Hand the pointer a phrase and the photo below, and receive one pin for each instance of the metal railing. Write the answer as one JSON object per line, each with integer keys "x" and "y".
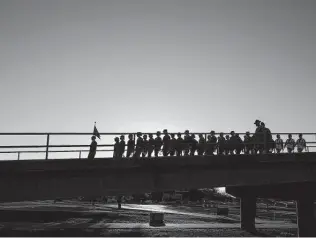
{"x": 49, "y": 135}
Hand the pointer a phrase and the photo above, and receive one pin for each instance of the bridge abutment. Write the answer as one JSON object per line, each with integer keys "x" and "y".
{"x": 248, "y": 212}
{"x": 303, "y": 193}
{"x": 305, "y": 216}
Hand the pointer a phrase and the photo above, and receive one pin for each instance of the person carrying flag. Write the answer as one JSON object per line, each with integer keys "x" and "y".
{"x": 93, "y": 148}
{"x": 94, "y": 144}
{"x": 96, "y": 132}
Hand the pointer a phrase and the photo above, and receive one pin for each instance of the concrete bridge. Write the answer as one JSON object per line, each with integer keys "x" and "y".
{"x": 287, "y": 176}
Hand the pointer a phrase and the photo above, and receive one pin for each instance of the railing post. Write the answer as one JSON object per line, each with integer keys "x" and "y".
{"x": 80, "y": 154}
{"x": 47, "y": 146}
{"x": 18, "y": 155}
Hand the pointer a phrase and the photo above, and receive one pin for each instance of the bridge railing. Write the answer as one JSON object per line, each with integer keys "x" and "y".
{"x": 47, "y": 146}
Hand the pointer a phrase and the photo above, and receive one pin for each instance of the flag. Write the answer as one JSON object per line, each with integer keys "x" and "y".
{"x": 96, "y": 132}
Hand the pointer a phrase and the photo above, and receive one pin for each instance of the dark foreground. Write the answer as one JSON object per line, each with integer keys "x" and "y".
{"x": 75, "y": 219}
{"x": 77, "y": 232}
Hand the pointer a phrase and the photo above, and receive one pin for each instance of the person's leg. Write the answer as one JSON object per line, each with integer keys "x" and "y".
{"x": 150, "y": 151}
{"x": 156, "y": 152}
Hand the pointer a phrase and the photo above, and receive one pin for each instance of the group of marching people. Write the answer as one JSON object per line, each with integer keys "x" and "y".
{"x": 176, "y": 145}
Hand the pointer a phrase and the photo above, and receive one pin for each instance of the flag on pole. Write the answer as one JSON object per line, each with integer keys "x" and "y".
{"x": 96, "y": 132}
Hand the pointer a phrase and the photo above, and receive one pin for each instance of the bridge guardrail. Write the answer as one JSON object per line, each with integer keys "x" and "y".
{"x": 48, "y": 146}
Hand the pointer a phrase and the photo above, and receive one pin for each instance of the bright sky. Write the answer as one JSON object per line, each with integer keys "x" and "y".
{"x": 145, "y": 65}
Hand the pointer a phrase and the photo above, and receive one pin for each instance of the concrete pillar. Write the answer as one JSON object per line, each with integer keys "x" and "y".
{"x": 305, "y": 217}
{"x": 248, "y": 213}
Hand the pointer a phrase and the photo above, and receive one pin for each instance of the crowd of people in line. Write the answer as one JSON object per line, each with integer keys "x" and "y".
{"x": 175, "y": 145}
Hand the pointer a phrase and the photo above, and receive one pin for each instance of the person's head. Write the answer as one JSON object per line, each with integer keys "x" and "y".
{"x": 158, "y": 133}
{"x": 130, "y": 136}
{"x": 145, "y": 137}
{"x": 179, "y": 134}
{"x": 139, "y": 134}
{"x": 278, "y": 136}
{"x": 212, "y": 133}
{"x": 193, "y": 135}
{"x": 122, "y": 137}
{"x": 290, "y": 136}
{"x": 150, "y": 135}
{"x": 209, "y": 137}
{"x": 232, "y": 133}
{"x": 227, "y": 136}
{"x": 300, "y": 136}
{"x": 172, "y": 135}
{"x": 93, "y": 138}
{"x": 165, "y": 131}
{"x": 257, "y": 123}
{"x": 221, "y": 134}
{"x": 116, "y": 139}
{"x": 247, "y": 133}
{"x": 186, "y": 132}
{"x": 262, "y": 124}
{"x": 237, "y": 135}
{"x": 201, "y": 136}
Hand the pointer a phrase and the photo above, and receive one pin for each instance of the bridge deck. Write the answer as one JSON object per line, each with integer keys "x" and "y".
{"x": 48, "y": 179}
{"x": 211, "y": 162}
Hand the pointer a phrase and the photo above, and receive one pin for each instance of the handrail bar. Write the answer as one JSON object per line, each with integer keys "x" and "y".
{"x": 106, "y": 145}
{"x": 127, "y": 133}
{"x": 51, "y": 151}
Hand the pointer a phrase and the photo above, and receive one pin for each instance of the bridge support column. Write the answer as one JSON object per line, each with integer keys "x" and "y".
{"x": 305, "y": 217}
{"x": 248, "y": 212}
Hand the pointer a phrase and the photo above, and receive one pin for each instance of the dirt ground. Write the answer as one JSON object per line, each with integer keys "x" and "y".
{"x": 68, "y": 219}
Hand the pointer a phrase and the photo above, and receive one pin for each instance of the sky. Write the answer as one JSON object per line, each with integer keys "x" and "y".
{"x": 147, "y": 65}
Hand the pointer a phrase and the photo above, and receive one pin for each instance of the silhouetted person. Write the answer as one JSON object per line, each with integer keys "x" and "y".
{"x": 300, "y": 143}
{"x": 158, "y": 143}
{"x": 209, "y": 148}
{"x": 93, "y": 148}
{"x": 213, "y": 142}
{"x": 122, "y": 145}
{"x": 151, "y": 145}
{"x": 116, "y": 152}
{"x": 145, "y": 146}
{"x": 268, "y": 136}
{"x": 130, "y": 146}
{"x": 221, "y": 143}
{"x": 232, "y": 144}
{"x": 139, "y": 145}
{"x": 239, "y": 144}
{"x": 173, "y": 144}
{"x": 227, "y": 145}
{"x": 166, "y": 143}
{"x": 290, "y": 144}
{"x": 258, "y": 138}
{"x": 193, "y": 145}
{"x": 201, "y": 145}
{"x": 247, "y": 143}
{"x": 179, "y": 145}
{"x": 279, "y": 144}
{"x": 186, "y": 143}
